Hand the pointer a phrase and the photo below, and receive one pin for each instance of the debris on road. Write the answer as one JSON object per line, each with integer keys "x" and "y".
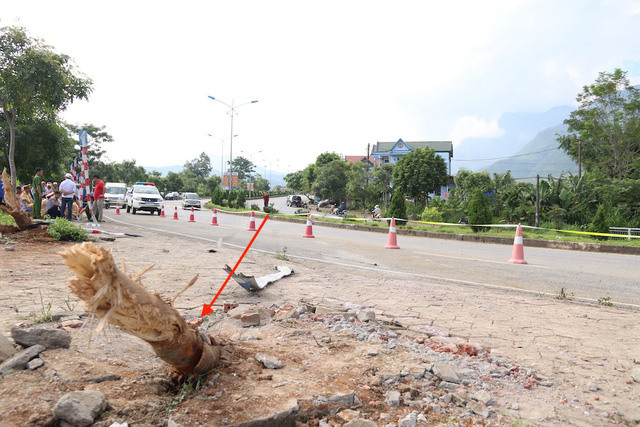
{"x": 252, "y": 283}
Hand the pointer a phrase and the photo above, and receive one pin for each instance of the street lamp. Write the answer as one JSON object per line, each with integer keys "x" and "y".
{"x": 231, "y": 112}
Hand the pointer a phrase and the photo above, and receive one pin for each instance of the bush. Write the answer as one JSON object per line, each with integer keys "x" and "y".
{"x": 241, "y": 200}
{"x": 600, "y": 224}
{"x": 397, "y": 208}
{"x": 217, "y": 196}
{"x": 62, "y": 229}
{"x": 432, "y": 214}
{"x": 270, "y": 210}
{"x": 413, "y": 210}
{"x": 479, "y": 211}
{"x": 255, "y": 207}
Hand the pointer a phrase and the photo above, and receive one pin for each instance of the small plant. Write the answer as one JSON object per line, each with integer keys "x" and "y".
{"x": 606, "y": 301}
{"x": 68, "y": 304}
{"x": 44, "y": 315}
{"x": 191, "y": 384}
{"x": 562, "y": 294}
{"x": 270, "y": 210}
{"x": 62, "y": 229}
{"x": 282, "y": 255}
{"x": 255, "y": 207}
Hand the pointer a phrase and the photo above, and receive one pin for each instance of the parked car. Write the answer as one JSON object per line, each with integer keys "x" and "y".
{"x": 191, "y": 200}
{"x": 143, "y": 196}
{"x": 295, "y": 201}
{"x": 174, "y": 195}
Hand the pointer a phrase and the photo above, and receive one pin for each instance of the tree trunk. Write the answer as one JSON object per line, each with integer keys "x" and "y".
{"x": 14, "y": 204}
{"x": 121, "y": 300}
{"x": 11, "y": 120}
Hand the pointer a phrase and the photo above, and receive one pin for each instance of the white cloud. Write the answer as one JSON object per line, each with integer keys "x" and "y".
{"x": 474, "y": 127}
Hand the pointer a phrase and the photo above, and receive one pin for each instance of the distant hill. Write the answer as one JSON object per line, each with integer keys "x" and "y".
{"x": 164, "y": 170}
{"x": 519, "y": 129}
{"x": 547, "y": 159}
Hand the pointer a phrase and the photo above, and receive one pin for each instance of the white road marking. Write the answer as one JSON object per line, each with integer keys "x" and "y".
{"x": 477, "y": 259}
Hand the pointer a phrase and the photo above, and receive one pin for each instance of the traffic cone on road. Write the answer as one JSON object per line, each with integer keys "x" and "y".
{"x": 392, "y": 242}
{"x": 252, "y": 222}
{"x": 162, "y": 212}
{"x": 308, "y": 232}
{"x": 192, "y": 218}
{"x": 175, "y": 213}
{"x": 118, "y": 208}
{"x": 517, "y": 256}
{"x": 214, "y": 218}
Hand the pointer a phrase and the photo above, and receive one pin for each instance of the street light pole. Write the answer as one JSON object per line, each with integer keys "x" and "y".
{"x": 231, "y": 112}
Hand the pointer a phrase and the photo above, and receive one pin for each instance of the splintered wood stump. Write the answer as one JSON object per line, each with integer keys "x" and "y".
{"x": 13, "y": 204}
{"x": 121, "y": 300}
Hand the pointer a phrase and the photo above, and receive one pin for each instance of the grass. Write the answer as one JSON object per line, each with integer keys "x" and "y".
{"x": 190, "y": 384}
{"x": 6, "y": 219}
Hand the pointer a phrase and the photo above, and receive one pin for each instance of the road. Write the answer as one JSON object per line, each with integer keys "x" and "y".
{"x": 583, "y": 275}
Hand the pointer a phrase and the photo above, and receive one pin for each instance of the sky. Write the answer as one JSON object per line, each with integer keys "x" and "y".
{"x": 328, "y": 76}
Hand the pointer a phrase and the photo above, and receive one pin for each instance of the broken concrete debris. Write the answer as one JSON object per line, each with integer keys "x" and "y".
{"x": 252, "y": 283}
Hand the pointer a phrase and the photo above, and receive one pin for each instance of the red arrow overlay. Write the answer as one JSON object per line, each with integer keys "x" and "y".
{"x": 206, "y": 309}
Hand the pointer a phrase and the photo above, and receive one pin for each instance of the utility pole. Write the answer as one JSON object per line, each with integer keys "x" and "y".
{"x": 579, "y": 159}
{"x": 538, "y": 200}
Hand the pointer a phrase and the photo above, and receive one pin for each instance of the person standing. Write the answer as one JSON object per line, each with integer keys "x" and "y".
{"x": 36, "y": 187}
{"x": 68, "y": 189}
{"x": 265, "y": 199}
{"x": 98, "y": 197}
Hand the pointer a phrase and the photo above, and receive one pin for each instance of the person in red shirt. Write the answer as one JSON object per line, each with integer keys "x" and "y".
{"x": 98, "y": 198}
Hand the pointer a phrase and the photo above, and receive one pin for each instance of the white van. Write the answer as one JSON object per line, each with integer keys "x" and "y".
{"x": 114, "y": 193}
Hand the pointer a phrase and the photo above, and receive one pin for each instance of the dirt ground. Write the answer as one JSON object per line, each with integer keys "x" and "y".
{"x": 544, "y": 361}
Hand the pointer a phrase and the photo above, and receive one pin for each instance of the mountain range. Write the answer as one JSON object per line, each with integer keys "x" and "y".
{"x": 522, "y": 133}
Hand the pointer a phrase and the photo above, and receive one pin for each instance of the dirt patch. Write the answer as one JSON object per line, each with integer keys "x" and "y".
{"x": 540, "y": 361}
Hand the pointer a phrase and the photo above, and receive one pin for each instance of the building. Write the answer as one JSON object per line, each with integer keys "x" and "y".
{"x": 391, "y": 152}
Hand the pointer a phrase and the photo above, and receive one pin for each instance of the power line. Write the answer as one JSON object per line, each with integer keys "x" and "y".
{"x": 501, "y": 158}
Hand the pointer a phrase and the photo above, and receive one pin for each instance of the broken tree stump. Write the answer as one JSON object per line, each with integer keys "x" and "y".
{"x": 13, "y": 204}
{"x": 118, "y": 299}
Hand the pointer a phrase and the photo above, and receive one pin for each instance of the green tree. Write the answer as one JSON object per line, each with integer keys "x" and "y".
{"x": 397, "y": 208}
{"x": 213, "y": 182}
{"x": 466, "y": 184}
{"x": 331, "y": 181}
{"x": 34, "y": 81}
{"x": 360, "y": 184}
{"x": 97, "y": 136}
{"x": 600, "y": 223}
{"x": 259, "y": 183}
{"x": 418, "y": 173}
{"x": 607, "y": 123}
{"x": 200, "y": 167}
{"x": 48, "y": 147}
{"x": 175, "y": 181}
{"x": 382, "y": 179}
{"x": 295, "y": 180}
{"x": 243, "y": 167}
{"x": 326, "y": 158}
{"x": 479, "y": 211}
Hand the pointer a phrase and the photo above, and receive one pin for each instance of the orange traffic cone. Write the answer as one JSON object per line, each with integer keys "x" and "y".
{"x": 214, "y": 218}
{"x": 175, "y": 213}
{"x": 392, "y": 242}
{"x": 308, "y": 232}
{"x": 162, "y": 212}
{"x": 517, "y": 256}
{"x": 252, "y": 222}
{"x": 192, "y": 218}
{"x": 118, "y": 208}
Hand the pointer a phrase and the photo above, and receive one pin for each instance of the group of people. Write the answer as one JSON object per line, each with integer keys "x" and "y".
{"x": 63, "y": 200}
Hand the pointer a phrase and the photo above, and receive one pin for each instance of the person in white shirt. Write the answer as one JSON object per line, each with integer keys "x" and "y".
{"x": 68, "y": 189}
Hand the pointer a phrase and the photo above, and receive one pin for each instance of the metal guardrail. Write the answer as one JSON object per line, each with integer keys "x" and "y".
{"x": 624, "y": 231}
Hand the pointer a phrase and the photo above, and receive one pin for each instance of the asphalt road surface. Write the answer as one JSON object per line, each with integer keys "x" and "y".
{"x": 579, "y": 274}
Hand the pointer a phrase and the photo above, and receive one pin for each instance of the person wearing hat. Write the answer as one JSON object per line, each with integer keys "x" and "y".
{"x": 37, "y": 194}
{"x": 67, "y": 189}
{"x": 377, "y": 213}
{"x": 27, "y": 200}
